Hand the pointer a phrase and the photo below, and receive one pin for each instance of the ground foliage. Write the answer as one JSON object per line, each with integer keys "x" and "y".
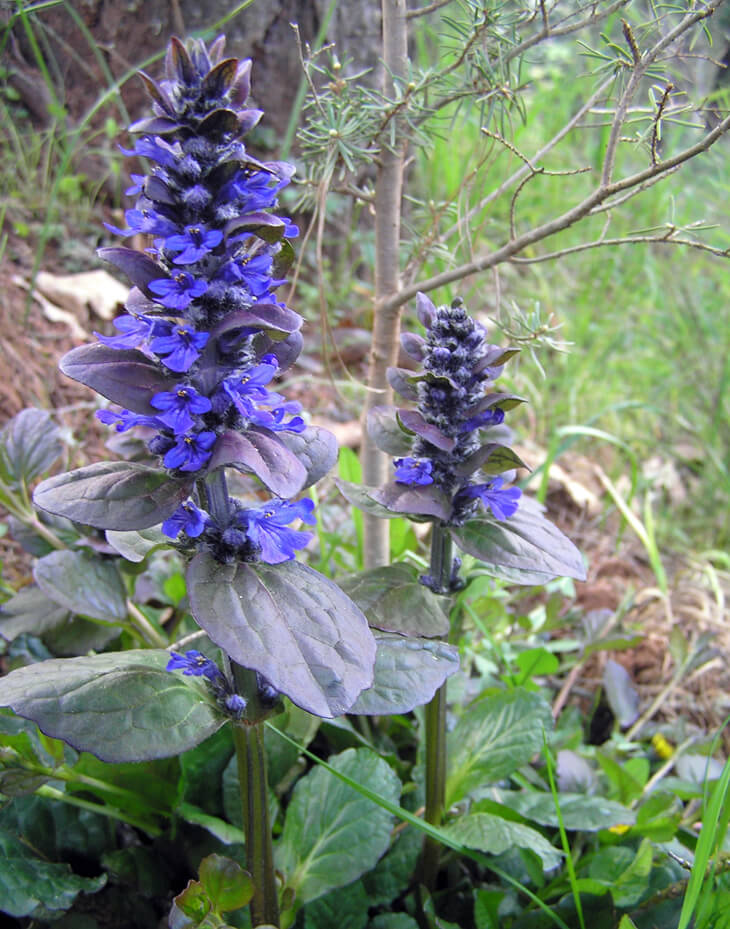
{"x": 593, "y": 808}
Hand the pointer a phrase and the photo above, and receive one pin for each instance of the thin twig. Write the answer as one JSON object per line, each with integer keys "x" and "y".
{"x": 624, "y": 240}
{"x": 425, "y": 10}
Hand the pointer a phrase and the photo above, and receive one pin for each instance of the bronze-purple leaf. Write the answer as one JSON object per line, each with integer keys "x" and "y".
{"x": 414, "y": 422}
{"x": 124, "y": 376}
{"x": 113, "y": 495}
{"x": 260, "y": 453}
{"x": 289, "y": 623}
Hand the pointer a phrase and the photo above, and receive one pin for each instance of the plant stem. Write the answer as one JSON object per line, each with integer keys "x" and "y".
{"x": 145, "y": 627}
{"x": 103, "y": 809}
{"x": 441, "y": 562}
{"x": 251, "y": 758}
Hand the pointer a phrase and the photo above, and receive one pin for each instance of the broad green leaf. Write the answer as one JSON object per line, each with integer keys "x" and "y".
{"x": 83, "y": 584}
{"x": 345, "y": 906}
{"x": 486, "y": 908}
{"x": 29, "y": 885}
{"x": 579, "y": 811}
{"x": 534, "y": 662}
{"x": 393, "y": 921}
{"x": 526, "y": 544}
{"x": 489, "y": 833}
{"x": 121, "y": 706}
{"x": 624, "y": 872}
{"x": 394, "y": 600}
{"x": 228, "y": 886}
{"x": 495, "y": 737}
{"x": 408, "y": 672}
{"x": 222, "y": 830}
{"x": 134, "y": 545}
{"x": 290, "y": 624}
{"x": 392, "y": 874}
{"x": 29, "y": 445}
{"x": 31, "y": 611}
{"x": 332, "y": 834}
{"x": 118, "y": 495}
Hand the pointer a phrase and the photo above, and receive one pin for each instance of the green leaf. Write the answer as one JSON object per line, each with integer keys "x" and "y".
{"x": 394, "y": 600}
{"x": 290, "y": 624}
{"x": 486, "y": 908}
{"x": 121, "y": 706}
{"x": 29, "y": 445}
{"x": 623, "y": 872}
{"x": 118, "y": 495}
{"x": 393, "y": 921}
{"x": 579, "y": 811}
{"x": 332, "y": 833}
{"x": 408, "y": 672}
{"x": 83, "y": 584}
{"x": 527, "y": 544}
{"x": 227, "y": 884}
{"x": 392, "y": 874}
{"x": 346, "y": 906}
{"x": 222, "y": 830}
{"x": 489, "y": 833}
{"x": 534, "y": 662}
{"x": 497, "y": 735}
{"x": 134, "y": 545}
{"x": 29, "y": 884}
{"x": 31, "y": 611}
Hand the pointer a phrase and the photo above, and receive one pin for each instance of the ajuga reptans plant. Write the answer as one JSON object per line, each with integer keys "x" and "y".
{"x": 452, "y": 467}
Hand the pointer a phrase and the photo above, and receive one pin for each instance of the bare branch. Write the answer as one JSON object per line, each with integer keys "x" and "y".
{"x": 669, "y": 238}
{"x": 566, "y": 219}
{"x": 425, "y": 10}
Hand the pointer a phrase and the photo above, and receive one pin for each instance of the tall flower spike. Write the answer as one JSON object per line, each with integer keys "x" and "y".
{"x": 203, "y": 330}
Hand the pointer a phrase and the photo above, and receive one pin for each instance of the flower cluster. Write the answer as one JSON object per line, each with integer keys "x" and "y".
{"x": 456, "y": 458}
{"x": 203, "y": 328}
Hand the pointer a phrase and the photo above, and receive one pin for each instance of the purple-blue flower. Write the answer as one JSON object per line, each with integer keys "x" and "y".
{"x": 182, "y": 346}
{"x": 502, "y": 501}
{"x": 178, "y": 407}
{"x": 193, "y": 244}
{"x": 194, "y": 664}
{"x": 254, "y": 272}
{"x": 491, "y": 417}
{"x": 125, "y": 419}
{"x": 178, "y": 292}
{"x": 267, "y": 527}
{"x": 147, "y": 222}
{"x": 191, "y": 451}
{"x": 155, "y": 149}
{"x": 187, "y": 518}
{"x": 413, "y": 471}
{"x": 134, "y": 331}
